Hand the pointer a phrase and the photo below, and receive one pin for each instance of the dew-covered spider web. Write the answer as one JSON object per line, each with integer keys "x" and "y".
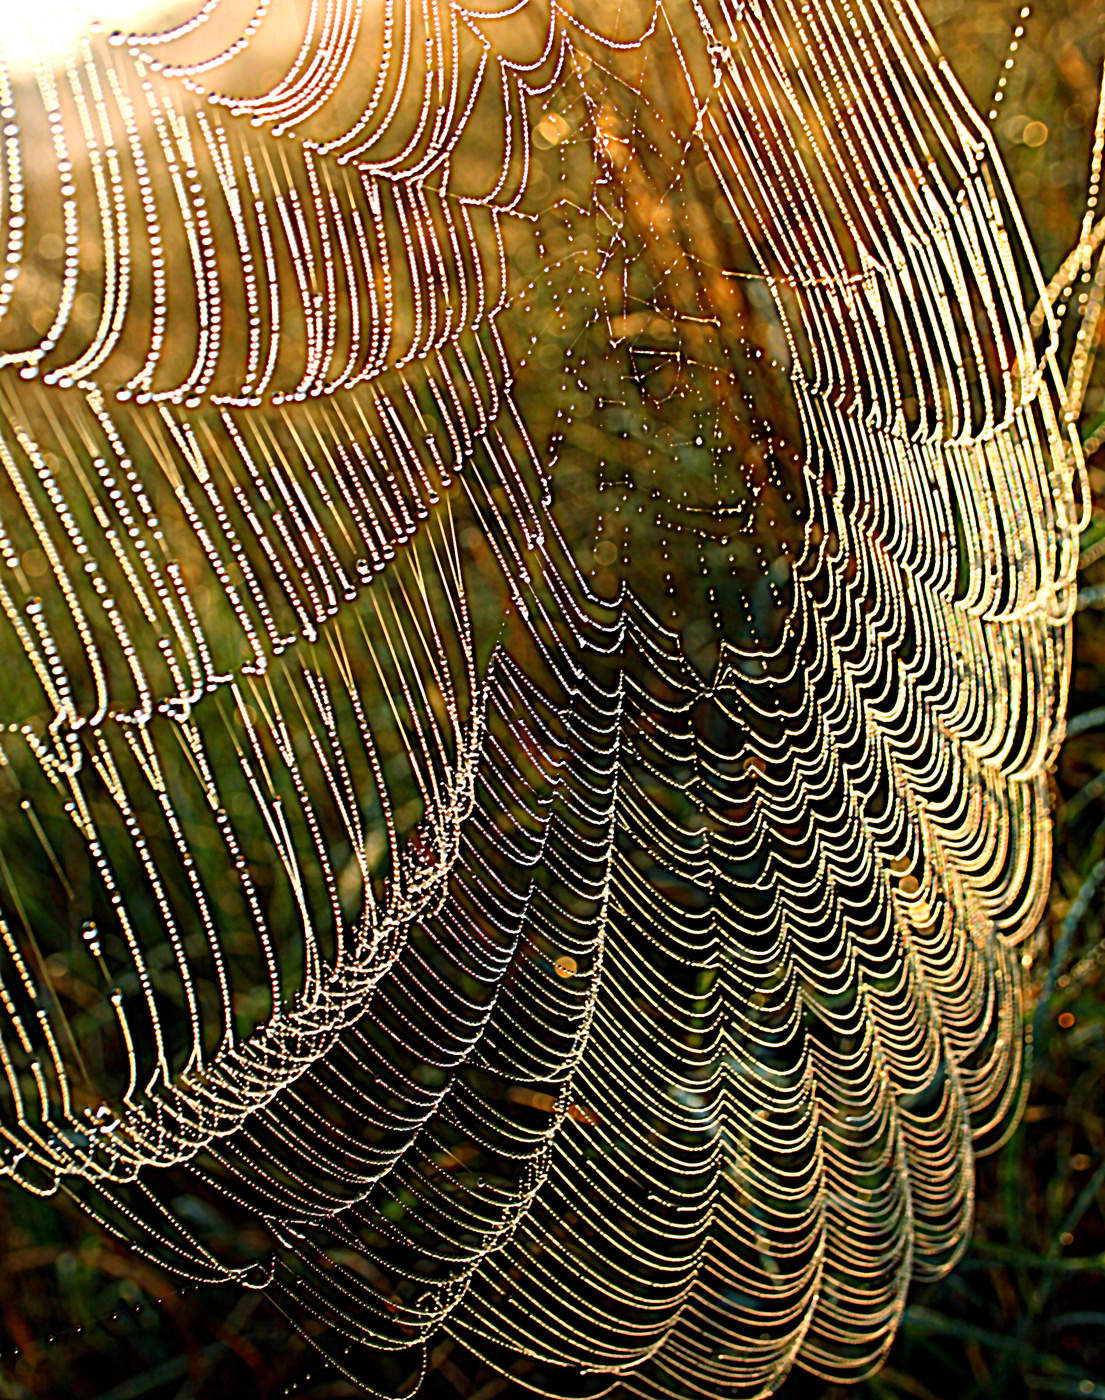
{"x": 536, "y": 568}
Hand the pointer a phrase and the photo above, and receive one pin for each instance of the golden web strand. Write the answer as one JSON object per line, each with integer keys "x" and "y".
{"x": 537, "y": 556}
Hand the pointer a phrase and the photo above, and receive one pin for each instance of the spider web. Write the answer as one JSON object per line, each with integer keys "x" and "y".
{"x": 537, "y": 564}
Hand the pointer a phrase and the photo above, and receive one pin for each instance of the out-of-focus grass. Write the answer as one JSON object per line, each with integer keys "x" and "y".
{"x": 1024, "y": 1313}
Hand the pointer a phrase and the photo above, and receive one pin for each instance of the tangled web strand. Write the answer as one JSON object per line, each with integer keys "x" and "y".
{"x": 536, "y": 569}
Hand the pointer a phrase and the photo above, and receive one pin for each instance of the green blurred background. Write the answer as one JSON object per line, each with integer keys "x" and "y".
{"x": 1024, "y": 1313}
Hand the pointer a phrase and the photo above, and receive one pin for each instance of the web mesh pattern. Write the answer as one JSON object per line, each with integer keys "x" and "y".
{"x": 536, "y": 570}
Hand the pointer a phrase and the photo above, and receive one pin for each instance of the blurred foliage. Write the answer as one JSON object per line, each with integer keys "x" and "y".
{"x": 1024, "y": 1312}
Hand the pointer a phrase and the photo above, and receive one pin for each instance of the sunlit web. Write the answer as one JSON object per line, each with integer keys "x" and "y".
{"x": 534, "y": 602}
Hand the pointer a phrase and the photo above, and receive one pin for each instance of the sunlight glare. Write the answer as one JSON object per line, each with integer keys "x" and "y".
{"x": 50, "y": 28}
